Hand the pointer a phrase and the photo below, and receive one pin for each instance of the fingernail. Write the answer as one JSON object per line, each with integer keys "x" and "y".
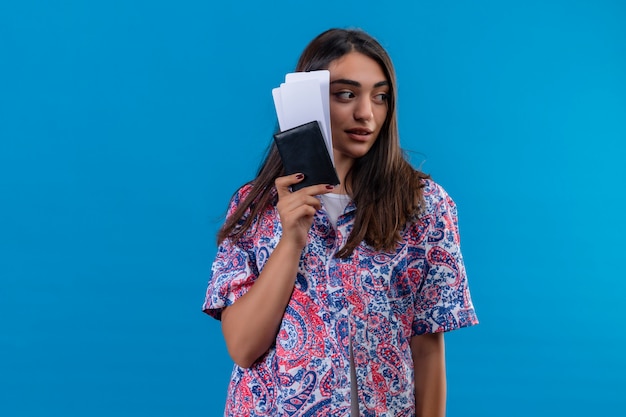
{"x": 330, "y": 187}
{"x": 299, "y": 176}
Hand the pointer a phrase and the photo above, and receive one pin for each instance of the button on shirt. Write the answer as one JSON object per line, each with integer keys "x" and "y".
{"x": 374, "y": 300}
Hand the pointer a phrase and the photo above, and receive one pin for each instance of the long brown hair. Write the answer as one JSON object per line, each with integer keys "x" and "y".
{"x": 384, "y": 186}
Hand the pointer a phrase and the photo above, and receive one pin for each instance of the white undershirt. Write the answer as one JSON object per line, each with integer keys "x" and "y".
{"x": 354, "y": 395}
{"x": 335, "y": 204}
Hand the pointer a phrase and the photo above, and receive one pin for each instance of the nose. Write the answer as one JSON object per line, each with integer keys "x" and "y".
{"x": 363, "y": 109}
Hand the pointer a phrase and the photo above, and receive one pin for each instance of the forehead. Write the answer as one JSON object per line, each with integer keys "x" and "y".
{"x": 357, "y": 67}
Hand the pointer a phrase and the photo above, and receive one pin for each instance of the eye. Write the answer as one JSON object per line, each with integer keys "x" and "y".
{"x": 344, "y": 95}
{"x": 381, "y": 98}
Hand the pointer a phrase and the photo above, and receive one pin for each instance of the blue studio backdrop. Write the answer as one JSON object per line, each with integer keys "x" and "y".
{"x": 125, "y": 126}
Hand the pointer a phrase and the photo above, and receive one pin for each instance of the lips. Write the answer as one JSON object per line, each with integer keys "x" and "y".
{"x": 359, "y": 133}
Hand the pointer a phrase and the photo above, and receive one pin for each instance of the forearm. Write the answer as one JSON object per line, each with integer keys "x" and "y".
{"x": 250, "y": 325}
{"x": 430, "y": 375}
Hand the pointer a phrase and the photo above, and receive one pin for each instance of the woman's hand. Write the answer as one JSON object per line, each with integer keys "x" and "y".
{"x": 297, "y": 209}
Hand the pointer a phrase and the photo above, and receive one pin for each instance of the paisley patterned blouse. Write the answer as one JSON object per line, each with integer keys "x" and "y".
{"x": 377, "y": 300}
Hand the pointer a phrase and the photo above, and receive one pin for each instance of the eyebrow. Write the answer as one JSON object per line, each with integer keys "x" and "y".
{"x": 358, "y": 84}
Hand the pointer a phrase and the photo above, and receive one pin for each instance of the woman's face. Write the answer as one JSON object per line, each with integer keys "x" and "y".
{"x": 358, "y": 105}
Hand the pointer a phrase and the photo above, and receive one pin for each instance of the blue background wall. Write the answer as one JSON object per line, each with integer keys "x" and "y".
{"x": 126, "y": 125}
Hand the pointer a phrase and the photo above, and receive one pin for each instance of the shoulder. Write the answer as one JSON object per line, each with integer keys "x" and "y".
{"x": 246, "y": 208}
{"x": 237, "y": 198}
{"x": 436, "y": 199}
{"x": 242, "y": 194}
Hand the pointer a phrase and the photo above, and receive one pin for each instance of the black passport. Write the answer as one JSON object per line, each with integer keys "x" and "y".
{"x": 302, "y": 149}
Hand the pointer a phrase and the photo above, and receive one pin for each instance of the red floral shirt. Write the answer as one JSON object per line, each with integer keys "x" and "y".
{"x": 377, "y": 300}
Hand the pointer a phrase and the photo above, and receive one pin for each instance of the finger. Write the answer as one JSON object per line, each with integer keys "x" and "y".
{"x": 283, "y": 183}
{"x": 318, "y": 189}
{"x": 303, "y": 212}
{"x": 294, "y": 200}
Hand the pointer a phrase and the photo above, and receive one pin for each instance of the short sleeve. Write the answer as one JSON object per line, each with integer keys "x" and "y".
{"x": 443, "y": 301}
{"x": 232, "y": 273}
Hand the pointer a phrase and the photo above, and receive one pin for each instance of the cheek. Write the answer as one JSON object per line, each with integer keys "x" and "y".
{"x": 339, "y": 114}
{"x": 380, "y": 114}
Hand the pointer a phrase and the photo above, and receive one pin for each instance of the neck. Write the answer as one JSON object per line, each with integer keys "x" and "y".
{"x": 342, "y": 166}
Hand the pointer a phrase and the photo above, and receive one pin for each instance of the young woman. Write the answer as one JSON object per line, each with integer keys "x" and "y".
{"x": 334, "y": 300}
